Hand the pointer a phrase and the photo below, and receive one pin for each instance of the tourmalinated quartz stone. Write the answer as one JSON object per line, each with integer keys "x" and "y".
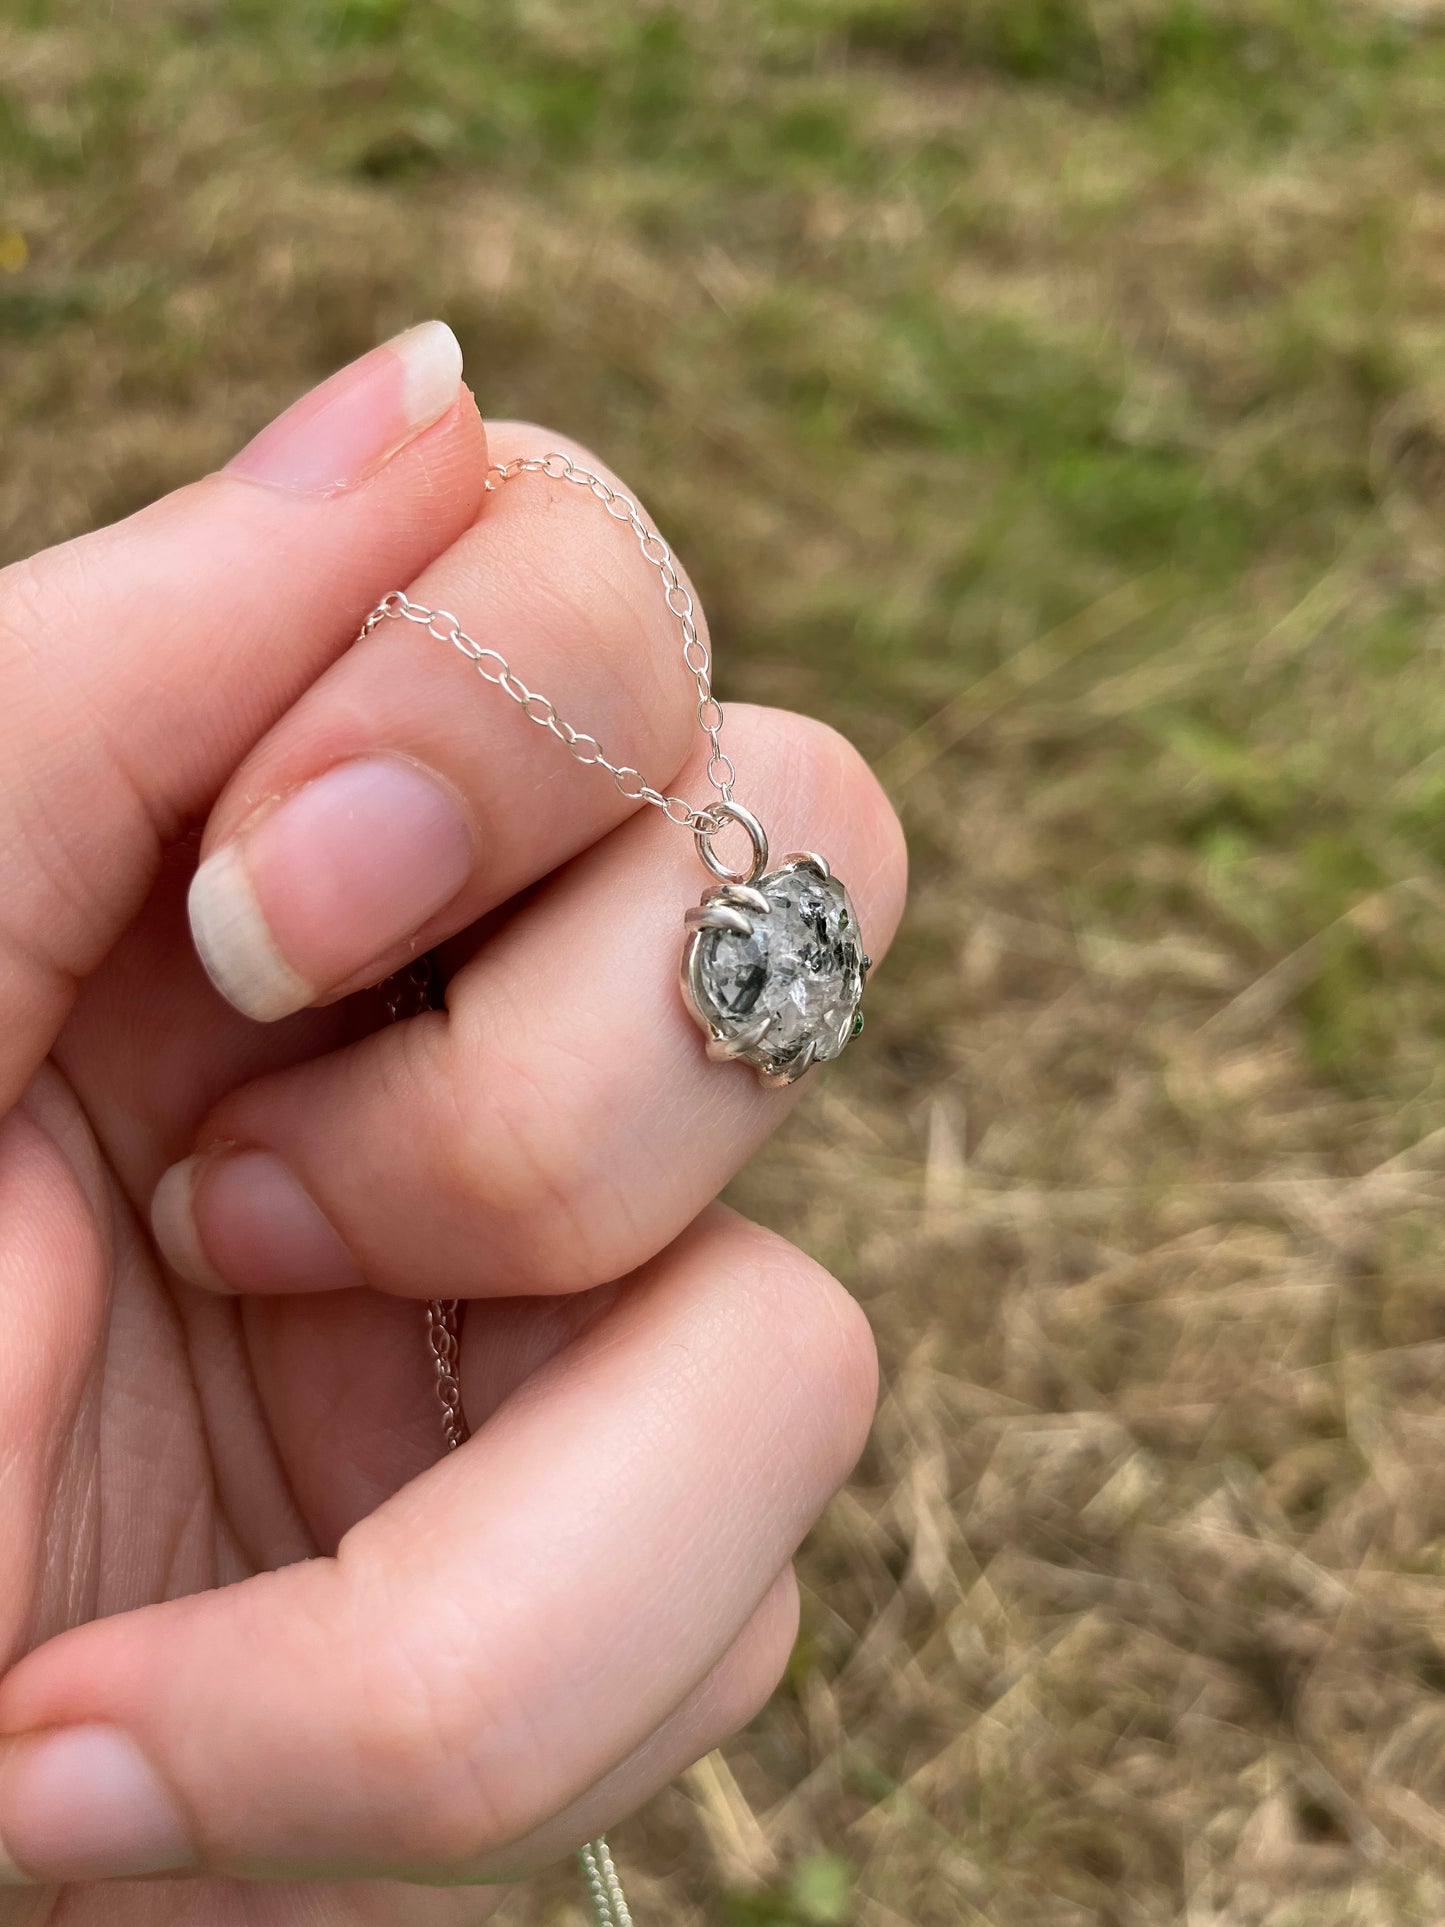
{"x": 796, "y": 981}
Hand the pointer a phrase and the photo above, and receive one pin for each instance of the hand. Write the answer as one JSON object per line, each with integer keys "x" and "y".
{"x": 257, "y": 1629}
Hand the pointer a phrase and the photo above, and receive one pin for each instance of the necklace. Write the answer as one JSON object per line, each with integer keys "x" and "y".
{"x": 773, "y": 965}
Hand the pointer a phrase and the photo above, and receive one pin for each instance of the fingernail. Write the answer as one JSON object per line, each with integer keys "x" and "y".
{"x": 84, "y": 1804}
{"x": 358, "y": 418}
{"x": 240, "y": 1221}
{"x": 326, "y": 882}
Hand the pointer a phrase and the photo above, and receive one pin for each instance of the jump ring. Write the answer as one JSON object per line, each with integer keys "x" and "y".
{"x": 723, "y": 813}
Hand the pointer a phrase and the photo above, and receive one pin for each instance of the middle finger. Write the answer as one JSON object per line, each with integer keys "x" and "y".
{"x": 560, "y": 1123}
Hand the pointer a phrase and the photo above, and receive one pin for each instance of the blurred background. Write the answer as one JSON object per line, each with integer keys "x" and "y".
{"x": 1051, "y": 394}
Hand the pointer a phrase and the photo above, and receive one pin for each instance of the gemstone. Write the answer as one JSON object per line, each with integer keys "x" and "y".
{"x": 802, "y": 969}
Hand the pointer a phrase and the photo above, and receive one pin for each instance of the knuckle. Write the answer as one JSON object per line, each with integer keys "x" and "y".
{"x": 512, "y": 1159}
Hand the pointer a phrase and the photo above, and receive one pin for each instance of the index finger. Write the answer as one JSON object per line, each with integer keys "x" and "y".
{"x": 403, "y": 798}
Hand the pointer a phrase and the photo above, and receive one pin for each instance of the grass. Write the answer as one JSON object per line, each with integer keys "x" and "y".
{"x": 1050, "y": 393}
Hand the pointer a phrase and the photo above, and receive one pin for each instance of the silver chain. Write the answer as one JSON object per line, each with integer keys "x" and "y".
{"x": 494, "y": 668}
{"x": 443, "y": 1333}
{"x": 605, "y": 1889}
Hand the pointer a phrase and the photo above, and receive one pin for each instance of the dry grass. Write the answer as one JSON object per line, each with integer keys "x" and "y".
{"x": 1050, "y": 393}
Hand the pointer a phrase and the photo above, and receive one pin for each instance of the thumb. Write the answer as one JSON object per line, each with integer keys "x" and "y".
{"x": 500, "y": 1638}
{"x": 140, "y": 663}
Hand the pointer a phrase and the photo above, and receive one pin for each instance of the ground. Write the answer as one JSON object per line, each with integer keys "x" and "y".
{"x": 1051, "y": 394}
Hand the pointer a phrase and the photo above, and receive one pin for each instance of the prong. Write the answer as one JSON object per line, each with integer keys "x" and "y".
{"x": 806, "y": 860}
{"x": 692, "y": 995}
{"x": 723, "y": 1050}
{"x": 790, "y": 1072}
{"x": 741, "y": 896}
{"x": 720, "y": 916}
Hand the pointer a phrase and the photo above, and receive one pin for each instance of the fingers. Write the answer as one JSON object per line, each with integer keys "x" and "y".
{"x": 403, "y": 797}
{"x": 493, "y": 1642}
{"x": 134, "y": 1825}
{"x": 137, "y": 665}
{"x": 561, "y": 1122}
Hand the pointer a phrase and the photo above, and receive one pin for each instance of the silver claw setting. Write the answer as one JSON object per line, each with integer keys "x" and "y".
{"x": 809, "y": 934}
{"x": 726, "y": 1050}
{"x": 807, "y": 860}
{"x": 721, "y": 915}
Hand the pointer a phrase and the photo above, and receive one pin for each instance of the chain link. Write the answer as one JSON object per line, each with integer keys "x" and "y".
{"x": 609, "y": 1905}
{"x": 494, "y": 668}
{"x": 443, "y": 1331}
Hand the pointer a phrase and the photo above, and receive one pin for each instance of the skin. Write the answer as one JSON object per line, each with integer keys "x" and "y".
{"x": 361, "y": 1673}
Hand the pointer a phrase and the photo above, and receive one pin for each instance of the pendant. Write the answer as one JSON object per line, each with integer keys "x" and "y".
{"x": 774, "y": 965}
